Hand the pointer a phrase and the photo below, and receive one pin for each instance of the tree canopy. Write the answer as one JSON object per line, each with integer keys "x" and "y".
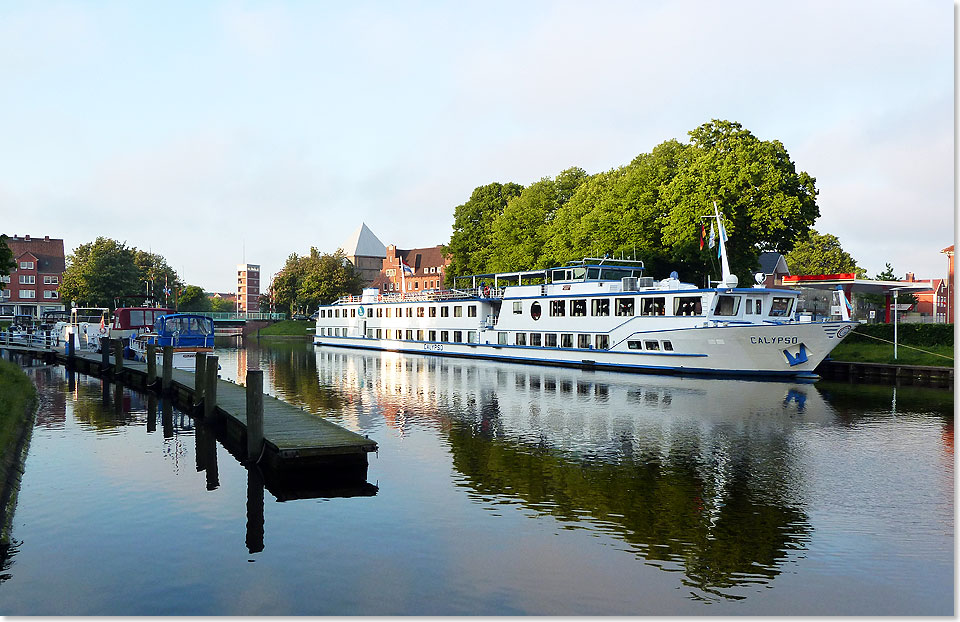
{"x": 821, "y": 254}
{"x": 7, "y": 263}
{"x": 318, "y": 278}
{"x": 193, "y": 299}
{"x": 652, "y": 208}
{"x": 102, "y": 270}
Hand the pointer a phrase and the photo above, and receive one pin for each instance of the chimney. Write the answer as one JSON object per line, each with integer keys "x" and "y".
{"x": 46, "y": 238}
{"x": 26, "y": 238}
{"x": 909, "y": 277}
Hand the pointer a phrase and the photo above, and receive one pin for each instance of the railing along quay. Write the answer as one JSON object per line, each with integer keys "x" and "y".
{"x": 260, "y": 428}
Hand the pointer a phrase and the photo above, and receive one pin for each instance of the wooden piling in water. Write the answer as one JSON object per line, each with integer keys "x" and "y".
{"x": 105, "y": 353}
{"x": 117, "y": 355}
{"x": 254, "y": 414}
{"x": 151, "y": 364}
{"x": 210, "y": 393}
{"x": 199, "y": 378}
{"x": 167, "y": 380}
{"x": 71, "y": 347}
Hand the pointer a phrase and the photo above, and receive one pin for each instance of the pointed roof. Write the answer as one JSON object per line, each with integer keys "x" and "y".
{"x": 363, "y": 243}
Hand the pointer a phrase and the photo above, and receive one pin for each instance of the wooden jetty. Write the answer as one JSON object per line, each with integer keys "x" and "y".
{"x": 285, "y": 436}
{"x": 887, "y": 373}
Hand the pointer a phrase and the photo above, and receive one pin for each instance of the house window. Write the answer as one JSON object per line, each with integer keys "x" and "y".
{"x": 49, "y": 295}
{"x": 600, "y": 307}
{"x": 26, "y": 265}
{"x": 5, "y": 279}
{"x": 50, "y": 280}
{"x": 27, "y": 279}
{"x": 391, "y": 272}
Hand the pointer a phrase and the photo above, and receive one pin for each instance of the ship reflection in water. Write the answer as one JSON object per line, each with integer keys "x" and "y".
{"x": 693, "y": 475}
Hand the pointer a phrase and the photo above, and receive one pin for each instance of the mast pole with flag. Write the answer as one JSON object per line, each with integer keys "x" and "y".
{"x": 726, "y": 278}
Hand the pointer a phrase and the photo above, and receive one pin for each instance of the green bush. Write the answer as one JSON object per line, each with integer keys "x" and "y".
{"x": 909, "y": 334}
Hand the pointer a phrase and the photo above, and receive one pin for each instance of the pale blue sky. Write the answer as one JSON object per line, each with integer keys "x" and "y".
{"x": 216, "y": 132}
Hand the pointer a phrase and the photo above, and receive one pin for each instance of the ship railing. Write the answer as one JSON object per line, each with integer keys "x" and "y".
{"x": 429, "y": 295}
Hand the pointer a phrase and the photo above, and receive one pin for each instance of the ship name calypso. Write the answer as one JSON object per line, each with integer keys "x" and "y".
{"x": 774, "y": 340}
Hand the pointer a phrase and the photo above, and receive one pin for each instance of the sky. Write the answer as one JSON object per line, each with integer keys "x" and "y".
{"x": 218, "y": 133}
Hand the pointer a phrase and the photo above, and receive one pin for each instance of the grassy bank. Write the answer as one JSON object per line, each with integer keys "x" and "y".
{"x": 860, "y": 352}
{"x": 289, "y": 328}
{"x": 18, "y": 398}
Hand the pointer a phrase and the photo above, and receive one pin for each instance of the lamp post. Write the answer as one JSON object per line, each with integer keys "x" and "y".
{"x": 895, "y": 291}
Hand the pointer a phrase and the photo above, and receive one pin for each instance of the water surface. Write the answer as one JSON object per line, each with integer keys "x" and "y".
{"x": 498, "y": 489}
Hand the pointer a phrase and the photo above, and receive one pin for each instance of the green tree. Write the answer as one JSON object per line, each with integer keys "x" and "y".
{"x": 319, "y": 278}
{"x": 155, "y": 273}
{"x": 98, "y": 272}
{"x": 222, "y": 305}
{"x": 821, "y": 254}
{"x": 193, "y": 299}
{"x": 765, "y": 203}
{"x": 469, "y": 247}
{"x": 7, "y": 263}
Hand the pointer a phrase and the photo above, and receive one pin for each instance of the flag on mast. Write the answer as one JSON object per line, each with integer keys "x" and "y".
{"x": 703, "y": 236}
{"x": 713, "y": 235}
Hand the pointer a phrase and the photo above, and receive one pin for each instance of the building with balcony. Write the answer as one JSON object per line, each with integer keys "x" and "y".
{"x": 32, "y": 287}
{"x": 248, "y": 288}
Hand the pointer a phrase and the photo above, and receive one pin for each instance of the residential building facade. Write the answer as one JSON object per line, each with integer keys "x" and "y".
{"x": 32, "y": 287}
{"x": 427, "y": 269}
{"x": 248, "y": 288}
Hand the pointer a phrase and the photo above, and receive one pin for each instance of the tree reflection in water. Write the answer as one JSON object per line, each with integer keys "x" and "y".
{"x": 694, "y": 475}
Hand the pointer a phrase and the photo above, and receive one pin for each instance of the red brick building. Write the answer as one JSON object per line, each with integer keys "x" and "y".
{"x": 427, "y": 264}
{"x": 932, "y": 303}
{"x": 248, "y": 288}
{"x": 32, "y": 287}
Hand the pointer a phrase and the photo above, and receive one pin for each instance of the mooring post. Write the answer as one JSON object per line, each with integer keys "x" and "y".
{"x": 104, "y": 355}
{"x": 151, "y": 364}
{"x": 167, "y": 382}
{"x": 117, "y": 355}
{"x": 254, "y": 413}
{"x": 71, "y": 347}
{"x": 210, "y": 393}
{"x": 199, "y": 375}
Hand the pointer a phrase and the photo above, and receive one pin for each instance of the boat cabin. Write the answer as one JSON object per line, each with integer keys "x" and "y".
{"x": 183, "y": 330}
{"x": 137, "y": 318}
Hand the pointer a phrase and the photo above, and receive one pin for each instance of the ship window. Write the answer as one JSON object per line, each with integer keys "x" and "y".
{"x": 410, "y": 334}
{"x": 520, "y": 339}
{"x": 472, "y": 311}
{"x": 550, "y": 340}
{"x": 399, "y": 334}
{"x": 409, "y": 311}
{"x": 370, "y": 333}
{"x": 633, "y": 345}
{"x": 457, "y": 334}
{"x": 687, "y": 305}
{"x": 593, "y": 273}
{"x": 379, "y": 311}
{"x": 600, "y": 307}
{"x": 624, "y": 306}
{"x": 336, "y": 312}
{"x": 759, "y": 307}
{"x": 353, "y": 313}
{"x": 502, "y": 338}
{"x": 535, "y": 339}
{"x": 652, "y": 305}
{"x": 651, "y": 345}
{"x": 518, "y": 307}
{"x": 420, "y": 312}
{"x": 781, "y": 307}
{"x": 578, "y": 307}
{"x": 379, "y": 333}
{"x": 444, "y": 311}
{"x": 668, "y": 346}
{"x": 602, "y": 342}
{"x": 420, "y": 335}
{"x": 535, "y": 311}
{"x": 433, "y": 312}
{"x": 749, "y": 307}
{"x": 389, "y": 311}
{"x": 458, "y": 311}
{"x": 472, "y": 336}
{"x": 558, "y": 308}
{"x": 136, "y": 318}
{"x": 728, "y": 306}
{"x": 433, "y": 335}
{"x": 566, "y": 340}
{"x": 583, "y": 341}
{"x": 444, "y": 335}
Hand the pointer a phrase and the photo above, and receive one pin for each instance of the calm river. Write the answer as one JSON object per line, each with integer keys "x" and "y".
{"x": 498, "y": 490}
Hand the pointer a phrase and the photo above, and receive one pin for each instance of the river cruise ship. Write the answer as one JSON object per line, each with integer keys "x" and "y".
{"x": 594, "y": 313}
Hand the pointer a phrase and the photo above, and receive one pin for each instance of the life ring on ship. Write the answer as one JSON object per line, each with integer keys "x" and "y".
{"x": 486, "y": 292}
{"x": 103, "y": 330}
{"x": 380, "y": 298}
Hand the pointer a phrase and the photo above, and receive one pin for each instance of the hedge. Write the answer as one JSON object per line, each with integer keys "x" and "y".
{"x": 907, "y": 334}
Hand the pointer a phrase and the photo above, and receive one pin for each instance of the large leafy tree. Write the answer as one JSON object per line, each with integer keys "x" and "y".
{"x": 315, "y": 279}
{"x": 193, "y": 299}
{"x": 821, "y": 253}
{"x": 156, "y": 273}
{"x": 469, "y": 248}
{"x": 102, "y": 270}
{"x": 7, "y": 263}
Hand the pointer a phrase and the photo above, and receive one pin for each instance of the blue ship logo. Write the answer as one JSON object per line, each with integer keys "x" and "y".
{"x": 800, "y": 357}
